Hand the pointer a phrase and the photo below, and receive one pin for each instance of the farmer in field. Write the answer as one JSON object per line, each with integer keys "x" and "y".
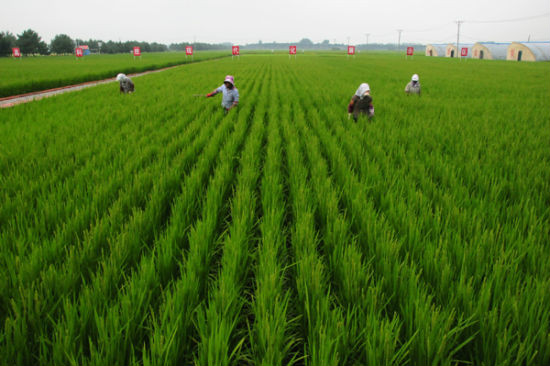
{"x": 413, "y": 87}
{"x": 230, "y": 94}
{"x": 126, "y": 84}
{"x": 361, "y": 103}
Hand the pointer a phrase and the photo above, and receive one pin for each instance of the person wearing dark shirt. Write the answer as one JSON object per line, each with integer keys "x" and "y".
{"x": 361, "y": 103}
{"x": 126, "y": 84}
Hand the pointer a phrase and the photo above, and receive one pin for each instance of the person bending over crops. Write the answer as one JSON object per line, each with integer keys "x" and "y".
{"x": 413, "y": 87}
{"x": 361, "y": 103}
{"x": 126, "y": 84}
{"x": 230, "y": 94}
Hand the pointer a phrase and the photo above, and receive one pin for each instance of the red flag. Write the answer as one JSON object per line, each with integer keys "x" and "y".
{"x": 78, "y": 52}
{"x": 16, "y": 52}
{"x": 188, "y": 50}
{"x": 410, "y": 51}
{"x": 292, "y": 50}
{"x": 351, "y": 50}
{"x": 464, "y": 52}
{"x": 235, "y": 50}
{"x": 137, "y": 51}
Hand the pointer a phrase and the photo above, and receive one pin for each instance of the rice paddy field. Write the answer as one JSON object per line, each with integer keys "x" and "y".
{"x": 152, "y": 229}
{"x": 29, "y": 74}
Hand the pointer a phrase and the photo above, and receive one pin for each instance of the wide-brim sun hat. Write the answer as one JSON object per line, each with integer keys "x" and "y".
{"x": 229, "y": 79}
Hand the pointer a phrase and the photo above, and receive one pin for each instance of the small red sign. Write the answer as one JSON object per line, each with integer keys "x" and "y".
{"x": 235, "y": 50}
{"x": 188, "y": 50}
{"x": 410, "y": 51}
{"x": 292, "y": 50}
{"x": 79, "y": 52}
{"x": 16, "y": 52}
{"x": 464, "y": 52}
{"x": 351, "y": 50}
{"x": 137, "y": 51}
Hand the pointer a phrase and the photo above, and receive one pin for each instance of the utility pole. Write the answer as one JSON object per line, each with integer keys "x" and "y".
{"x": 399, "y": 31}
{"x": 367, "y": 44}
{"x": 458, "y": 23}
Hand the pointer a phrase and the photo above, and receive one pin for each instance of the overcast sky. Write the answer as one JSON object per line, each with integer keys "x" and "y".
{"x": 248, "y": 21}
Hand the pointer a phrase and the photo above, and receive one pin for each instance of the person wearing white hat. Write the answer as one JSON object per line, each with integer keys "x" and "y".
{"x": 361, "y": 103}
{"x": 230, "y": 94}
{"x": 126, "y": 84}
{"x": 413, "y": 87}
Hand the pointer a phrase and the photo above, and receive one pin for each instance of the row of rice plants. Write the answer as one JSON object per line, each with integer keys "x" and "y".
{"x": 320, "y": 323}
{"x": 220, "y": 321}
{"x": 271, "y": 338}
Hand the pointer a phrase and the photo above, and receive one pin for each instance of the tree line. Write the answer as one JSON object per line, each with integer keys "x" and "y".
{"x": 30, "y": 43}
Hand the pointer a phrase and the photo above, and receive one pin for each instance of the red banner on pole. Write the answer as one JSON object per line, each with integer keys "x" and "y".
{"x": 292, "y": 50}
{"x": 78, "y": 52}
{"x": 235, "y": 50}
{"x": 351, "y": 50}
{"x": 16, "y": 52}
{"x": 464, "y": 52}
{"x": 137, "y": 51}
{"x": 410, "y": 51}
{"x": 188, "y": 50}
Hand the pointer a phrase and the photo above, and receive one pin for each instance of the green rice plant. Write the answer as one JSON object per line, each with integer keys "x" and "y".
{"x": 270, "y": 337}
{"x": 218, "y": 319}
{"x": 321, "y": 324}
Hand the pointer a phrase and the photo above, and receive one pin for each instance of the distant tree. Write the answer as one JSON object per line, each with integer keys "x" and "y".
{"x": 7, "y": 41}
{"x": 43, "y": 48}
{"x": 158, "y": 47}
{"x": 62, "y": 43}
{"x": 29, "y": 42}
{"x": 305, "y": 42}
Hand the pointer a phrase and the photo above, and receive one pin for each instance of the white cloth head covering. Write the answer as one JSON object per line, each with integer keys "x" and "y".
{"x": 120, "y": 77}
{"x": 415, "y": 77}
{"x": 363, "y": 88}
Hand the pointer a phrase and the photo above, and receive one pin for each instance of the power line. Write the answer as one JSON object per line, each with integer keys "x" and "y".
{"x": 428, "y": 30}
{"x": 509, "y": 20}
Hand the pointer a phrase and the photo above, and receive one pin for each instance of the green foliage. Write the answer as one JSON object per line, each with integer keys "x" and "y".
{"x": 30, "y": 43}
{"x": 151, "y": 228}
{"x": 62, "y": 43}
{"x": 7, "y": 41}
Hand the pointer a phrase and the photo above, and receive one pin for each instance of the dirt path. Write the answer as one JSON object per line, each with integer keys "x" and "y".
{"x": 29, "y": 97}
